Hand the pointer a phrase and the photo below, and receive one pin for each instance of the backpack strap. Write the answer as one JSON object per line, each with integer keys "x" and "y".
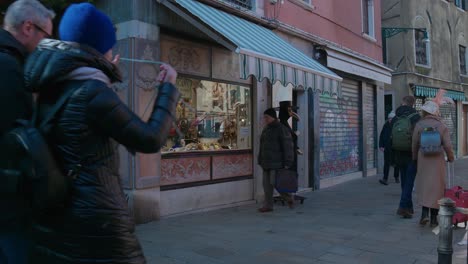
{"x": 55, "y": 108}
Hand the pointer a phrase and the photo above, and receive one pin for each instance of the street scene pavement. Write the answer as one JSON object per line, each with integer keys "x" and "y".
{"x": 354, "y": 222}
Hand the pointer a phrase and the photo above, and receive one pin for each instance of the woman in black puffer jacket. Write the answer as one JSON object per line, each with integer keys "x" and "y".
{"x": 95, "y": 226}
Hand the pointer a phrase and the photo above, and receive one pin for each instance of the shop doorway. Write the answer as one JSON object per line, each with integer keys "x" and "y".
{"x": 312, "y": 154}
{"x": 388, "y": 102}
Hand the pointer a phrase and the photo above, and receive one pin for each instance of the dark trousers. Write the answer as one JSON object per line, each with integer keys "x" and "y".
{"x": 408, "y": 174}
{"x": 15, "y": 247}
{"x": 269, "y": 177}
{"x": 387, "y": 163}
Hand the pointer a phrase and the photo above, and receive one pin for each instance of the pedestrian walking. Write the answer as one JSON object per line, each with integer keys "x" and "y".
{"x": 95, "y": 225}
{"x": 276, "y": 153}
{"x": 402, "y": 131}
{"x": 385, "y": 145}
{"x": 26, "y": 22}
{"x": 431, "y": 141}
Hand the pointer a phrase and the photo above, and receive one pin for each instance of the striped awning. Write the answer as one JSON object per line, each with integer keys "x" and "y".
{"x": 262, "y": 53}
{"x": 425, "y": 91}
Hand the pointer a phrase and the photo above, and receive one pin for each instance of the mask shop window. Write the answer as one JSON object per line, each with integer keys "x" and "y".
{"x": 211, "y": 116}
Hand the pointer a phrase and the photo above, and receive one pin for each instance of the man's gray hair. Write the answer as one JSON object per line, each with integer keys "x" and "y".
{"x": 23, "y": 10}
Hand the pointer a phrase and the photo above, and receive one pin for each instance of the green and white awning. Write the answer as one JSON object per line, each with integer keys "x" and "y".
{"x": 425, "y": 91}
{"x": 262, "y": 53}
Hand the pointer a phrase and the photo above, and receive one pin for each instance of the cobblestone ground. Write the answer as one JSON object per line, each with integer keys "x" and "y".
{"x": 354, "y": 222}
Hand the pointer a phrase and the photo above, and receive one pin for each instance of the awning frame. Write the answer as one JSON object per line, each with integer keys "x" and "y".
{"x": 278, "y": 68}
{"x": 426, "y": 91}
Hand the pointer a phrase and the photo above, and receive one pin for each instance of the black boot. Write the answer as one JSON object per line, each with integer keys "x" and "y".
{"x": 434, "y": 213}
{"x": 424, "y": 216}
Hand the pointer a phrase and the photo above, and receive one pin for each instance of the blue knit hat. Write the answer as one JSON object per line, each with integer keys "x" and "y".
{"x": 85, "y": 24}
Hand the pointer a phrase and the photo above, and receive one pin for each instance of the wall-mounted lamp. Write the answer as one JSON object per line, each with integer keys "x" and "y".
{"x": 388, "y": 32}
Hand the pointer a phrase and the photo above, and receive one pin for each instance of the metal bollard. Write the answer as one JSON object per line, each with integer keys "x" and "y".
{"x": 445, "y": 249}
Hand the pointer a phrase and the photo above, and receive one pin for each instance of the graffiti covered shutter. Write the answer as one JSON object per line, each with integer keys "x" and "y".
{"x": 340, "y": 132}
{"x": 449, "y": 115}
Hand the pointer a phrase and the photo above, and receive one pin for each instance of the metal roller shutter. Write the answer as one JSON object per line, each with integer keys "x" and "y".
{"x": 370, "y": 121}
{"x": 449, "y": 115}
{"x": 340, "y": 132}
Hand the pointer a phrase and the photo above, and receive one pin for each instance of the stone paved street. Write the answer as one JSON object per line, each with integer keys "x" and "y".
{"x": 354, "y": 222}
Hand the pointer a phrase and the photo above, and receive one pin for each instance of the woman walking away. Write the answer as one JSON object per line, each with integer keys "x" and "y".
{"x": 431, "y": 140}
{"x": 94, "y": 225}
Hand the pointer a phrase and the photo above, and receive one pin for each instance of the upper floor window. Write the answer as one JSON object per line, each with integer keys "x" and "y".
{"x": 463, "y": 59}
{"x": 368, "y": 17}
{"x": 241, "y": 3}
{"x": 461, "y": 4}
{"x": 421, "y": 45}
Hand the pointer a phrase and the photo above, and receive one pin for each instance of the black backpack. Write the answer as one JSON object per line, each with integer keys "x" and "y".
{"x": 30, "y": 166}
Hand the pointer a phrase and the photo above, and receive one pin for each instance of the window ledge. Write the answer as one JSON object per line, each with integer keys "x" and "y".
{"x": 304, "y": 5}
{"x": 368, "y": 37}
{"x": 423, "y": 66}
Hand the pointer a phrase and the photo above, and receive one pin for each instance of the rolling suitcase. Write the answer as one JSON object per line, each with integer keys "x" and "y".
{"x": 457, "y": 194}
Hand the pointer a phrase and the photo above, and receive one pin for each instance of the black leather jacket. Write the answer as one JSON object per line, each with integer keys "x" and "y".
{"x": 96, "y": 224}
{"x": 276, "y": 147}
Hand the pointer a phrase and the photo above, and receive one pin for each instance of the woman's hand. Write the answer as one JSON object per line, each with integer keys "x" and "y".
{"x": 167, "y": 74}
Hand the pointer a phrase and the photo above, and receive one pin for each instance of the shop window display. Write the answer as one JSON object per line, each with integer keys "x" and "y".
{"x": 211, "y": 116}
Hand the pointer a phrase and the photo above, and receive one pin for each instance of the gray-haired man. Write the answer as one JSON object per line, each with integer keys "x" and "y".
{"x": 25, "y": 24}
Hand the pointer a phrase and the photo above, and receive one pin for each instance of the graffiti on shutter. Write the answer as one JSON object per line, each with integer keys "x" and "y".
{"x": 340, "y": 132}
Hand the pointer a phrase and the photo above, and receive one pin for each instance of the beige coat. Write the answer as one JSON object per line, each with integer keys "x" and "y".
{"x": 430, "y": 178}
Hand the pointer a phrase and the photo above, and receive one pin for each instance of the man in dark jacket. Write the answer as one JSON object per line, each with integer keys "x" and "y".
{"x": 26, "y": 23}
{"x": 404, "y": 160}
{"x": 276, "y": 152}
{"x": 385, "y": 145}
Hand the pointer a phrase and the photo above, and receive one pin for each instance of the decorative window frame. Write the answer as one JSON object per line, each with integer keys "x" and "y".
{"x": 370, "y": 19}
{"x": 462, "y": 42}
{"x": 421, "y": 22}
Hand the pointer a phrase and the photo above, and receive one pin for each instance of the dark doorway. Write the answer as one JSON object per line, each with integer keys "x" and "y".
{"x": 314, "y": 140}
{"x": 388, "y": 104}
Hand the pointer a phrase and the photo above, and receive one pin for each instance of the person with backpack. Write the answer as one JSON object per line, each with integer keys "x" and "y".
{"x": 94, "y": 224}
{"x": 385, "y": 145}
{"x": 431, "y": 141}
{"x": 25, "y": 24}
{"x": 402, "y": 132}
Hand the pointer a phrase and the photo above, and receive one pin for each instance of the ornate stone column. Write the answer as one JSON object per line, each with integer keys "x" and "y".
{"x": 138, "y": 38}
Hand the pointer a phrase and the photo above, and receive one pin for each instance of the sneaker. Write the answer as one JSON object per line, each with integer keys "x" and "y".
{"x": 291, "y": 203}
{"x": 384, "y": 182}
{"x": 265, "y": 210}
{"x": 405, "y": 213}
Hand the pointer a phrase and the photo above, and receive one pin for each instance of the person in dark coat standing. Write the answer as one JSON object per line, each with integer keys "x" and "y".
{"x": 404, "y": 159}
{"x": 276, "y": 152}
{"x": 385, "y": 145}
{"x": 26, "y": 22}
{"x": 95, "y": 225}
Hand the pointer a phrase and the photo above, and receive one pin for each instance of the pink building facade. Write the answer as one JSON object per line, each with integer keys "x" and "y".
{"x": 345, "y": 36}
